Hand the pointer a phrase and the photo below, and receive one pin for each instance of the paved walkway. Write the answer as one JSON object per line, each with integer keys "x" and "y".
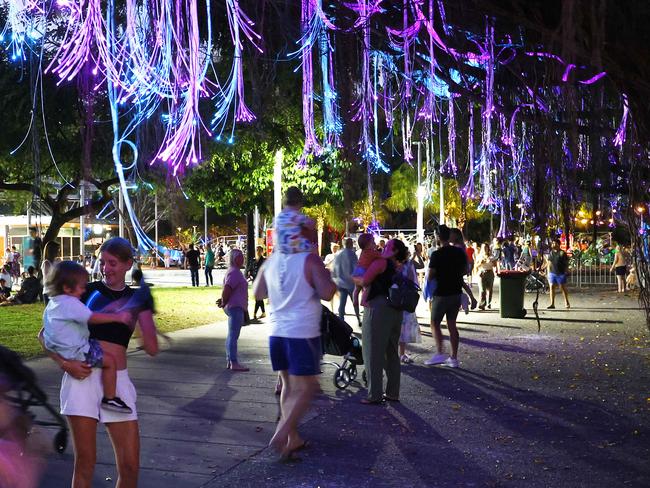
{"x": 567, "y": 407}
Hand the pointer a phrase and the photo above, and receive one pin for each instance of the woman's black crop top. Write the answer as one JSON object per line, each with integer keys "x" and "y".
{"x": 97, "y": 297}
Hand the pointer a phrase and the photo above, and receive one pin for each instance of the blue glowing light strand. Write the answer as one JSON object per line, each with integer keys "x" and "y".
{"x": 365, "y": 110}
{"x": 144, "y": 242}
{"x": 332, "y": 123}
{"x": 231, "y": 98}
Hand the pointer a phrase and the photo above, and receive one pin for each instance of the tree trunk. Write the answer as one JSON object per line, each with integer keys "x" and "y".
{"x": 250, "y": 239}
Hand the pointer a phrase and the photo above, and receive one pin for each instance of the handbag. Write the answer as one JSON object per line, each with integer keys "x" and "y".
{"x": 404, "y": 294}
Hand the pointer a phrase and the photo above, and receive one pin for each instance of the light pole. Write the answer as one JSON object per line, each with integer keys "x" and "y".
{"x": 277, "y": 181}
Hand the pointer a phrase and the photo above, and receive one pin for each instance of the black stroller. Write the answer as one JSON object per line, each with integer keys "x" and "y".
{"x": 19, "y": 390}
{"x": 536, "y": 281}
{"x": 337, "y": 340}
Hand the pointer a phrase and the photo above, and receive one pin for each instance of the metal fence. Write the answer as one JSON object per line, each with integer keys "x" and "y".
{"x": 591, "y": 274}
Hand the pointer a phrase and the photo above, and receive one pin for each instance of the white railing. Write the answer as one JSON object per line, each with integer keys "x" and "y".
{"x": 591, "y": 275}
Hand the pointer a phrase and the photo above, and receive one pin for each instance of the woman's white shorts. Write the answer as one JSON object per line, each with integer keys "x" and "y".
{"x": 83, "y": 398}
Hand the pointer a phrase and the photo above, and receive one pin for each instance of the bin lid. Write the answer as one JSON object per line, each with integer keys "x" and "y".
{"x": 511, "y": 273}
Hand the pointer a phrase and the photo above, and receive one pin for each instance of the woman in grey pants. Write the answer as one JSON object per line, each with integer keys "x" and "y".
{"x": 382, "y": 325}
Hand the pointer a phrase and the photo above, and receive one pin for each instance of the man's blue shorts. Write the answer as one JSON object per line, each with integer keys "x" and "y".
{"x": 300, "y": 357}
{"x": 556, "y": 279}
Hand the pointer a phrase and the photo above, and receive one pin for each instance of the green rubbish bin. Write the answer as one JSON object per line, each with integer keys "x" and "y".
{"x": 512, "y": 286}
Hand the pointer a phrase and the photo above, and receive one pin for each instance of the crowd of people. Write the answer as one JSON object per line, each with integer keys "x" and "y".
{"x": 88, "y": 323}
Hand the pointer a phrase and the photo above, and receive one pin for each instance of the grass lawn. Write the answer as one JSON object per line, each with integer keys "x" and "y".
{"x": 176, "y": 308}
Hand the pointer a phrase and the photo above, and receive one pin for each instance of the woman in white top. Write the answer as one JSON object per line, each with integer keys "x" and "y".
{"x": 295, "y": 284}
{"x": 485, "y": 265}
{"x": 50, "y": 255}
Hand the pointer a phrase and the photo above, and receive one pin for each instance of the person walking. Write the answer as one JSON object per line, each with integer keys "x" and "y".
{"x": 193, "y": 260}
{"x": 448, "y": 266}
{"x": 557, "y": 264}
{"x": 619, "y": 266}
{"x": 295, "y": 283}
{"x": 209, "y": 264}
{"x": 342, "y": 268}
{"x": 81, "y": 388}
{"x": 252, "y": 274}
{"x": 382, "y": 325}
{"x": 485, "y": 265}
{"x": 234, "y": 301}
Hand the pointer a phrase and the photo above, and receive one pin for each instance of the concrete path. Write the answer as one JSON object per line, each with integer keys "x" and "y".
{"x": 567, "y": 407}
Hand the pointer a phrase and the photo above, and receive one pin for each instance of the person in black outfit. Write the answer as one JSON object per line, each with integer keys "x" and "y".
{"x": 29, "y": 290}
{"x": 5, "y": 291}
{"x": 448, "y": 266}
{"x": 252, "y": 274}
{"x": 193, "y": 259}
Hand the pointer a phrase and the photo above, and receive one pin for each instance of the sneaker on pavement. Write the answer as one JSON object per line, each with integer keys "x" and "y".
{"x": 116, "y": 405}
{"x": 436, "y": 359}
{"x": 451, "y": 362}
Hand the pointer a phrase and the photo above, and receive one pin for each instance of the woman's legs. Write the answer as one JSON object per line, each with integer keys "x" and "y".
{"x": 393, "y": 367}
{"x": 84, "y": 443}
{"x": 259, "y": 304}
{"x": 375, "y": 344}
{"x": 235, "y": 322}
{"x": 125, "y": 437}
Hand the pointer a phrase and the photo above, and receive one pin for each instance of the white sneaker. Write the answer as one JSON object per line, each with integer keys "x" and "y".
{"x": 436, "y": 359}
{"x": 451, "y": 362}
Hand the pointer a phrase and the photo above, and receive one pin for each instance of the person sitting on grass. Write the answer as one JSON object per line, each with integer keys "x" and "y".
{"x": 65, "y": 328}
{"x": 29, "y": 290}
{"x": 5, "y": 291}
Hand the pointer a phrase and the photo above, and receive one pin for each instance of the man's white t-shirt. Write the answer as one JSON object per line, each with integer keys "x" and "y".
{"x": 65, "y": 323}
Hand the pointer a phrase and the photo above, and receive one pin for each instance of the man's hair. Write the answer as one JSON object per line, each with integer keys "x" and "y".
{"x": 293, "y": 197}
{"x": 364, "y": 240}
{"x": 191, "y": 246}
{"x": 33, "y": 229}
{"x": 456, "y": 235}
{"x": 349, "y": 243}
{"x": 443, "y": 233}
{"x": 2, "y": 280}
{"x": 31, "y": 271}
{"x": 65, "y": 274}
{"x": 557, "y": 241}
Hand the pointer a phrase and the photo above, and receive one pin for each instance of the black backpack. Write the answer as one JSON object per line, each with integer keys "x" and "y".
{"x": 404, "y": 294}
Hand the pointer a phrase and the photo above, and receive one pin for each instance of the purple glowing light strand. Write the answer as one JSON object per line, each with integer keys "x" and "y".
{"x": 86, "y": 29}
{"x": 468, "y": 189}
{"x": 594, "y": 78}
{"x": 487, "y": 152}
{"x": 181, "y": 145}
{"x": 233, "y": 94}
{"x": 332, "y": 124}
{"x": 366, "y": 103}
{"x": 312, "y": 146}
{"x": 428, "y": 109}
{"x": 451, "y": 133}
{"x": 619, "y": 137}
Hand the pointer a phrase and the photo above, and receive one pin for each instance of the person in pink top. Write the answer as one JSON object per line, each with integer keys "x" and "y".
{"x": 234, "y": 301}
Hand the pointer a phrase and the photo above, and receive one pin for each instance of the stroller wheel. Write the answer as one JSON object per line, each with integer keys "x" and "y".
{"x": 352, "y": 371}
{"x": 364, "y": 377}
{"x": 61, "y": 440}
{"x": 341, "y": 378}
